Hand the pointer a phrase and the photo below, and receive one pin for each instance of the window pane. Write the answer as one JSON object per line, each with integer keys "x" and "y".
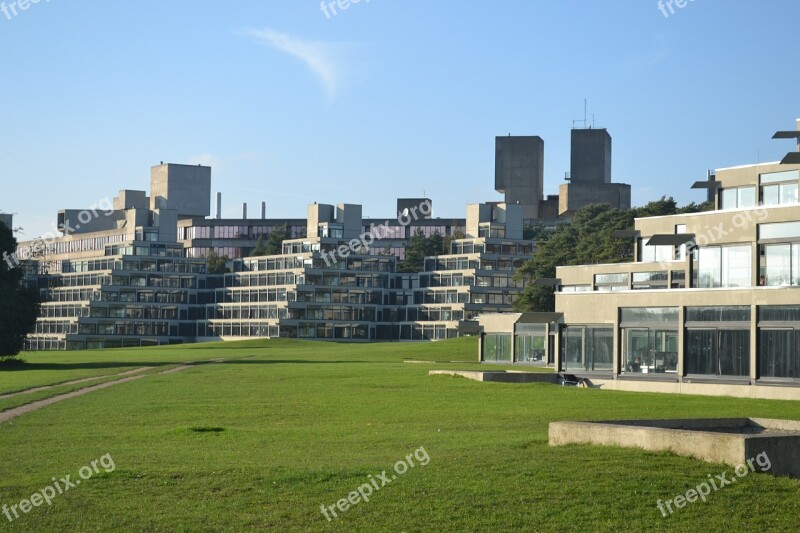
{"x": 637, "y": 350}
{"x": 600, "y": 348}
{"x": 729, "y": 198}
{"x": 775, "y": 354}
{"x": 649, "y": 314}
{"x": 573, "y": 348}
{"x": 734, "y": 352}
{"x": 775, "y": 177}
{"x": 701, "y": 351}
{"x": 771, "y": 194}
{"x": 789, "y": 193}
{"x": 747, "y": 197}
{"x": 779, "y": 230}
{"x": 718, "y": 314}
{"x": 709, "y": 267}
{"x": 736, "y": 266}
{"x": 778, "y": 259}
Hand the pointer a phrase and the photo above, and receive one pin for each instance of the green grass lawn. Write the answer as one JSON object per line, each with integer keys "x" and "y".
{"x": 262, "y": 440}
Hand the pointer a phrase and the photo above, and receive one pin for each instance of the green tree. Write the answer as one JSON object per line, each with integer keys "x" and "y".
{"x": 415, "y": 254}
{"x": 586, "y": 239}
{"x": 275, "y": 241}
{"x": 216, "y": 264}
{"x": 261, "y": 247}
{"x": 19, "y": 305}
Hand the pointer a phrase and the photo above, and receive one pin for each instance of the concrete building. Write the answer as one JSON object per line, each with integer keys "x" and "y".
{"x": 117, "y": 277}
{"x": 590, "y": 174}
{"x": 314, "y": 291}
{"x": 519, "y": 172}
{"x": 519, "y": 176}
{"x": 708, "y": 307}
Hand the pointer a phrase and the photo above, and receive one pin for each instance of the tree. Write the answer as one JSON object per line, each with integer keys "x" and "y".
{"x": 586, "y": 239}
{"x": 261, "y": 247}
{"x": 19, "y": 305}
{"x": 216, "y": 264}
{"x": 415, "y": 254}
{"x": 419, "y": 248}
{"x": 275, "y": 241}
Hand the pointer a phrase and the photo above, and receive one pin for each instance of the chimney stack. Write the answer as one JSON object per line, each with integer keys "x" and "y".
{"x": 219, "y": 205}
{"x": 244, "y": 210}
{"x": 263, "y": 210}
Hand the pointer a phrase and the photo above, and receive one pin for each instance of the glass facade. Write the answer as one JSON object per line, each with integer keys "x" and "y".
{"x": 650, "y": 340}
{"x": 738, "y": 198}
{"x": 724, "y": 266}
{"x": 588, "y": 348}
{"x": 718, "y": 341}
{"x": 497, "y": 348}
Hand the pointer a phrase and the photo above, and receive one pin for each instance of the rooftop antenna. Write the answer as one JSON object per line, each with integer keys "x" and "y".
{"x": 585, "y": 104}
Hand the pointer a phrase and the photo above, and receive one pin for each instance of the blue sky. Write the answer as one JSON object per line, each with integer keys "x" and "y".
{"x": 385, "y": 99}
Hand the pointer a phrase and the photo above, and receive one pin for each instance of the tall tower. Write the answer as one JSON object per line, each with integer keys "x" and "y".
{"x": 590, "y": 159}
{"x": 519, "y": 171}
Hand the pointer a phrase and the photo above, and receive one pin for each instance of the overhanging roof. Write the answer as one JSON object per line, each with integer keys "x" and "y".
{"x": 706, "y": 184}
{"x": 792, "y": 158}
{"x": 670, "y": 239}
{"x": 786, "y": 135}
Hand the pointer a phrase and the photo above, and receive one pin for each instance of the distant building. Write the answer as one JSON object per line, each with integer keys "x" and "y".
{"x": 519, "y": 176}
{"x": 590, "y": 174}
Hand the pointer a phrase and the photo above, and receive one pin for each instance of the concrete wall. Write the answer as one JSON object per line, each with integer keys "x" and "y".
{"x": 519, "y": 169}
{"x": 167, "y": 222}
{"x": 573, "y": 196}
{"x": 318, "y": 213}
{"x": 79, "y": 221}
{"x": 128, "y": 199}
{"x": 477, "y": 213}
{"x": 349, "y": 216}
{"x": 7, "y": 219}
{"x": 185, "y": 188}
{"x": 590, "y": 157}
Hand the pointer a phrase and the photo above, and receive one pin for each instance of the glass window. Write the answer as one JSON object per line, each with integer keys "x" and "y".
{"x": 779, "y": 230}
{"x": 497, "y": 347}
{"x": 738, "y": 197}
{"x": 771, "y": 195}
{"x": 724, "y": 266}
{"x": 656, "y": 253}
{"x": 649, "y": 314}
{"x": 779, "y": 353}
{"x": 778, "y": 259}
{"x": 775, "y": 177}
{"x": 531, "y": 343}
{"x": 747, "y": 196}
{"x": 709, "y": 267}
{"x": 736, "y": 265}
{"x": 718, "y": 314}
{"x": 588, "y": 348}
{"x": 650, "y": 350}
{"x": 718, "y": 352}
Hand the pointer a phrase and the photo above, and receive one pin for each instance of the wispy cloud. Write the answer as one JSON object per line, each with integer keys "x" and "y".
{"x": 320, "y": 57}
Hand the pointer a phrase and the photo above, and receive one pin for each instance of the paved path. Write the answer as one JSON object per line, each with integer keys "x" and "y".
{"x": 75, "y": 382}
{"x": 35, "y": 406}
